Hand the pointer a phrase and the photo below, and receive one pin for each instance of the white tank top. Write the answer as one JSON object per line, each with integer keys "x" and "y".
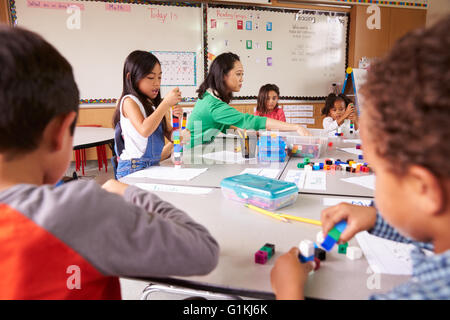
{"x": 134, "y": 143}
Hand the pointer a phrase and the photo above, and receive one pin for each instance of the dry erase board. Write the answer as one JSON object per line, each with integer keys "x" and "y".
{"x": 302, "y": 52}
{"x": 97, "y": 36}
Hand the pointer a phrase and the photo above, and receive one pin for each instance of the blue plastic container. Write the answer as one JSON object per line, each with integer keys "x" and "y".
{"x": 267, "y": 193}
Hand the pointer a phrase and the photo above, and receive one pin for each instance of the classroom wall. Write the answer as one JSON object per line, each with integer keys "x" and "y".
{"x": 395, "y": 22}
{"x": 437, "y": 9}
{"x": 4, "y": 14}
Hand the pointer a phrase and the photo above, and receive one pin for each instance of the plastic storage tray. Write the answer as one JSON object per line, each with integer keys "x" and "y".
{"x": 306, "y": 147}
{"x": 260, "y": 191}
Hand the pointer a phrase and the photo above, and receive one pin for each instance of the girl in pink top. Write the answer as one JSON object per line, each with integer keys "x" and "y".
{"x": 268, "y": 103}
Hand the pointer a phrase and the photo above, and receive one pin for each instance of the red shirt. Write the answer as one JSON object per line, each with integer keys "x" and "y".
{"x": 277, "y": 114}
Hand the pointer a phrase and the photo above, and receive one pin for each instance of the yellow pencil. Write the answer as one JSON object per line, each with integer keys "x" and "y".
{"x": 268, "y": 213}
{"x": 240, "y": 134}
{"x": 306, "y": 220}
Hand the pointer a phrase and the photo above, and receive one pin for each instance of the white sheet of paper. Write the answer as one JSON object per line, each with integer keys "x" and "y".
{"x": 225, "y": 156}
{"x": 386, "y": 256}
{"x": 316, "y": 180}
{"x": 172, "y": 188}
{"x": 357, "y": 141}
{"x": 168, "y": 173}
{"x": 254, "y": 171}
{"x": 265, "y": 172}
{"x": 296, "y": 176}
{"x": 363, "y": 181}
{"x": 328, "y": 202}
{"x": 352, "y": 150}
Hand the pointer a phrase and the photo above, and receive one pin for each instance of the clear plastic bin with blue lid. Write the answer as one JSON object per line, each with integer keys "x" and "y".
{"x": 259, "y": 191}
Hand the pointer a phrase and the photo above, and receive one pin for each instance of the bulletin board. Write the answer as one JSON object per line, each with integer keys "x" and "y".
{"x": 301, "y": 51}
{"x": 97, "y": 36}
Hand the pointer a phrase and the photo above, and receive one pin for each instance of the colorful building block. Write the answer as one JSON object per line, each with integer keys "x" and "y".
{"x": 328, "y": 243}
{"x": 261, "y": 257}
{"x": 316, "y": 264}
{"x": 342, "y": 248}
{"x": 354, "y": 253}
{"x": 306, "y": 248}
{"x": 300, "y": 165}
{"x": 269, "y": 251}
{"x": 333, "y": 235}
{"x": 320, "y": 237}
{"x": 320, "y": 254}
{"x": 272, "y": 246}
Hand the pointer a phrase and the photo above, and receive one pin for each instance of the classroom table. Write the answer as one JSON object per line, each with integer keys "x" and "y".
{"x": 87, "y": 137}
{"x": 217, "y": 171}
{"x": 240, "y": 232}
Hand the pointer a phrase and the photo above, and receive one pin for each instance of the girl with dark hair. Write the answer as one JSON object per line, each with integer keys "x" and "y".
{"x": 267, "y": 103}
{"x": 141, "y": 114}
{"x": 212, "y": 112}
{"x": 340, "y": 113}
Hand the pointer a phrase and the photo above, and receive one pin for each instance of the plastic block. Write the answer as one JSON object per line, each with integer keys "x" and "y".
{"x": 320, "y": 237}
{"x": 306, "y": 248}
{"x": 270, "y": 245}
{"x": 306, "y": 160}
{"x": 305, "y": 259}
{"x": 308, "y": 168}
{"x": 358, "y": 146}
{"x": 335, "y": 234}
{"x": 316, "y": 264}
{"x": 328, "y": 243}
{"x": 354, "y": 253}
{"x": 342, "y": 248}
{"x": 300, "y": 165}
{"x": 320, "y": 254}
{"x": 340, "y": 226}
{"x": 261, "y": 257}
{"x": 321, "y": 165}
{"x": 268, "y": 250}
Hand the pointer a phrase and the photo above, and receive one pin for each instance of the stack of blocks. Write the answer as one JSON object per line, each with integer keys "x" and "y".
{"x": 353, "y": 253}
{"x": 308, "y": 253}
{"x": 330, "y": 164}
{"x": 339, "y": 132}
{"x": 271, "y": 149}
{"x": 177, "y": 149}
{"x": 352, "y": 127}
{"x": 265, "y": 253}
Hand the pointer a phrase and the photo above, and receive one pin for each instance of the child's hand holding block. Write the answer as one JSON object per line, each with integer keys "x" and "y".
{"x": 333, "y": 235}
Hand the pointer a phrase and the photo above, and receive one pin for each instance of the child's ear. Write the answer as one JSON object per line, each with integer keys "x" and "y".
{"x": 59, "y": 129}
{"x": 428, "y": 190}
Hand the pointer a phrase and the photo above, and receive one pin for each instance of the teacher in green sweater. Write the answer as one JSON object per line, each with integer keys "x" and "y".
{"x": 212, "y": 112}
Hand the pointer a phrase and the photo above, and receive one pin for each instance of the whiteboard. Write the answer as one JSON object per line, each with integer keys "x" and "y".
{"x": 302, "y": 53}
{"x": 107, "y": 32}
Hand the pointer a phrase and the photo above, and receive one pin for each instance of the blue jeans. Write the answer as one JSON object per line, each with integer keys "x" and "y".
{"x": 126, "y": 167}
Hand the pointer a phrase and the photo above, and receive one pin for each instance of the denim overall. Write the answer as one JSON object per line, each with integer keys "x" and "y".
{"x": 151, "y": 156}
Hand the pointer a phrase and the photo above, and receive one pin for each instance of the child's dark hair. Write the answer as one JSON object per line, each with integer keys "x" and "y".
{"x": 36, "y": 85}
{"x": 221, "y": 65}
{"x": 263, "y": 96}
{"x": 331, "y": 99}
{"x": 407, "y": 101}
{"x": 137, "y": 66}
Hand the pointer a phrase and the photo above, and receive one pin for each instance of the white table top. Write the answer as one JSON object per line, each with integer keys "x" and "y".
{"x": 241, "y": 232}
{"x": 92, "y": 136}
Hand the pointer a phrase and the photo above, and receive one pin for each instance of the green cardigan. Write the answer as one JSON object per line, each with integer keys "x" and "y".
{"x": 216, "y": 115}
